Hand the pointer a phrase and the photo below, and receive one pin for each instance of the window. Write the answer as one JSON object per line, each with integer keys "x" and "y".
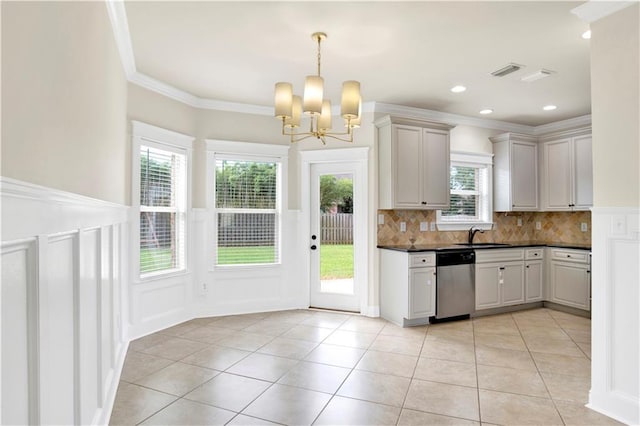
{"x": 246, "y": 204}
{"x": 470, "y": 197}
{"x": 245, "y": 196}
{"x": 162, "y": 201}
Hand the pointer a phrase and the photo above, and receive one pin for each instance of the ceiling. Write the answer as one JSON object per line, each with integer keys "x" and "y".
{"x": 403, "y": 53}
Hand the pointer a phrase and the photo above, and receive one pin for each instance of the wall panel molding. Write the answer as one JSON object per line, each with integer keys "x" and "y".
{"x": 63, "y": 346}
{"x": 615, "y": 373}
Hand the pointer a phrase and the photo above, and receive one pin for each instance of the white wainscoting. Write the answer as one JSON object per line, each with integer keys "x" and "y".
{"x": 615, "y": 319}
{"x": 63, "y": 343}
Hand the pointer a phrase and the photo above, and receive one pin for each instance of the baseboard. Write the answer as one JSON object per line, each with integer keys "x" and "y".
{"x": 371, "y": 311}
{"x": 103, "y": 415}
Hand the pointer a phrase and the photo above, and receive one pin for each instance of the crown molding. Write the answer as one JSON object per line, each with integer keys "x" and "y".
{"x": 235, "y": 107}
{"x": 431, "y": 115}
{"x": 120, "y": 25}
{"x": 558, "y": 126}
{"x": 595, "y": 10}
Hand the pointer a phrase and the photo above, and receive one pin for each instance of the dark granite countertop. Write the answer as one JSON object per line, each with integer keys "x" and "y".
{"x": 511, "y": 244}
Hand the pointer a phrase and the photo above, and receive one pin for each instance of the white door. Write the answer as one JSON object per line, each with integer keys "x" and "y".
{"x": 333, "y": 236}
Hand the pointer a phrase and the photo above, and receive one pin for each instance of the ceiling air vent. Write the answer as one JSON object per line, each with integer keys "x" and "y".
{"x": 536, "y": 75}
{"x": 508, "y": 69}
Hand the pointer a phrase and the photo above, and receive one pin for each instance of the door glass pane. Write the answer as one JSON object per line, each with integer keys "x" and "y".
{"x": 336, "y": 233}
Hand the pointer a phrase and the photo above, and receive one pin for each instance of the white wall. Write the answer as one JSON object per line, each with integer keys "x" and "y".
{"x": 63, "y": 97}
{"x": 64, "y": 260}
{"x": 615, "y": 79}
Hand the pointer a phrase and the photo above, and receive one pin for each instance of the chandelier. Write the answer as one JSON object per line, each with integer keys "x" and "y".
{"x": 289, "y": 107}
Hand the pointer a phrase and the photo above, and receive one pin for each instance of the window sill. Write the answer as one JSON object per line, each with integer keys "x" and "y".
{"x": 245, "y": 267}
{"x": 464, "y": 226}
{"x": 161, "y": 275}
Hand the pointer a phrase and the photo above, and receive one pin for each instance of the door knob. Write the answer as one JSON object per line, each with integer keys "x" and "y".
{"x": 313, "y": 247}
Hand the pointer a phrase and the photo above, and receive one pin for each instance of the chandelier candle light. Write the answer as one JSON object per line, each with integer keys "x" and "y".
{"x": 289, "y": 107}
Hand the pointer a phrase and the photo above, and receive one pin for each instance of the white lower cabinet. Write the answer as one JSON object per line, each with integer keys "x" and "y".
{"x": 499, "y": 284}
{"x": 534, "y": 274}
{"x": 533, "y": 279}
{"x": 570, "y": 278}
{"x": 422, "y": 292}
{"x": 407, "y": 287}
{"x": 499, "y": 278}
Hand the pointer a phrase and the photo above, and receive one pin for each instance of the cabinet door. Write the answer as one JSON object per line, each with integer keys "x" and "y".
{"x": 435, "y": 159}
{"x": 557, "y": 175}
{"x": 524, "y": 175}
{"x": 407, "y": 145}
{"x": 512, "y": 283}
{"x": 533, "y": 281}
{"x": 570, "y": 285}
{"x": 422, "y": 292}
{"x": 487, "y": 286}
{"x": 582, "y": 173}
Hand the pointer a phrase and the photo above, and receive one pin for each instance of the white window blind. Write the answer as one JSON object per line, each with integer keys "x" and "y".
{"x": 162, "y": 210}
{"x": 247, "y": 212}
{"x": 468, "y": 198}
{"x": 470, "y": 186}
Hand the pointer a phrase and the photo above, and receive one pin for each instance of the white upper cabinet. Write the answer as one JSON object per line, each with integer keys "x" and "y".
{"x": 413, "y": 164}
{"x": 515, "y": 172}
{"x": 567, "y": 171}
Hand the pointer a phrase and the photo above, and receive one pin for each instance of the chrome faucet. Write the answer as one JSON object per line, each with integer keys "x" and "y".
{"x": 472, "y": 233}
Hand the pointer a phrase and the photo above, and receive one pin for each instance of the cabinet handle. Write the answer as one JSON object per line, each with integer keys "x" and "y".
{"x": 424, "y": 203}
{"x": 588, "y": 272}
{"x": 568, "y": 255}
{"x": 502, "y": 268}
{"x": 424, "y": 260}
{"x": 527, "y": 266}
{"x": 535, "y": 254}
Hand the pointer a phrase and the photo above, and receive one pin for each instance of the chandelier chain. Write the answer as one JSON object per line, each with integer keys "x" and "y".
{"x": 319, "y": 41}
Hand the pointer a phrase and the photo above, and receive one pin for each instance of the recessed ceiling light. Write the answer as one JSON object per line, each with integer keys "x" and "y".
{"x": 458, "y": 89}
{"x": 586, "y": 35}
{"x": 486, "y": 111}
{"x": 549, "y": 107}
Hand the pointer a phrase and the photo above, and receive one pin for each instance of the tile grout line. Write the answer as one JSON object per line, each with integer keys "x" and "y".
{"x": 475, "y": 363}
{"x": 538, "y": 369}
{"x": 404, "y": 400}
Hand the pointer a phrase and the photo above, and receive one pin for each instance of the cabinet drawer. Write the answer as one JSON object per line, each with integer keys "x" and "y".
{"x": 422, "y": 259}
{"x": 578, "y": 256}
{"x": 499, "y": 255}
{"x": 534, "y": 253}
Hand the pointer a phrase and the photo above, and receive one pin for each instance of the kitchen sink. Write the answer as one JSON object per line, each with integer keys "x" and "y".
{"x": 483, "y": 244}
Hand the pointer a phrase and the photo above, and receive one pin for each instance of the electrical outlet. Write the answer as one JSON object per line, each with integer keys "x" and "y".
{"x": 583, "y": 227}
{"x": 538, "y": 225}
{"x": 380, "y": 219}
{"x": 433, "y": 226}
{"x": 424, "y": 226}
{"x": 403, "y": 226}
{"x": 519, "y": 221}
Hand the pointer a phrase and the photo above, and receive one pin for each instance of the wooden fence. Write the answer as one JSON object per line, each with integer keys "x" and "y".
{"x": 336, "y": 228}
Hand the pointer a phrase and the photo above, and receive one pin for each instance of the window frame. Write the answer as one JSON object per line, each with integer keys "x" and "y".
{"x": 476, "y": 160}
{"x": 144, "y": 134}
{"x": 245, "y": 151}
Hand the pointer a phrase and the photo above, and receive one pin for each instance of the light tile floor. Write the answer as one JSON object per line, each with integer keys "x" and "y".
{"x": 313, "y": 367}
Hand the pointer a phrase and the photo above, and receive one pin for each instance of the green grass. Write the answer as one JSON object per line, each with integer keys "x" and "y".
{"x": 154, "y": 259}
{"x": 336, "y": 261}
{"x": 239, "y": 255}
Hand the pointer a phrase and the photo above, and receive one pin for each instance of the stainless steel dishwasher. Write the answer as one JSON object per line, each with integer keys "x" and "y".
{"x": 455, "y": 283}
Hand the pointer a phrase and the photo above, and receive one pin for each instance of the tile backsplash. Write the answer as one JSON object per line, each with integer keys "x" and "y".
{"x": 560, "y": 227}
